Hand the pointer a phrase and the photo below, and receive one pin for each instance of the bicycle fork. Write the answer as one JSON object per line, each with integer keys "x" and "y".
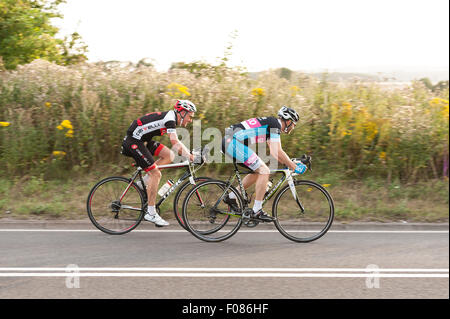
{"x": 294, "y": 192}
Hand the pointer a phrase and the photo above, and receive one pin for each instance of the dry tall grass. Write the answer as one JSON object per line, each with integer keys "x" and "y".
{"x": 55, "y": 118}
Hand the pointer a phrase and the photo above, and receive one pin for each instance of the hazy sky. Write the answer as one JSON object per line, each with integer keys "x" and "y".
{"x": 298, "y": 34}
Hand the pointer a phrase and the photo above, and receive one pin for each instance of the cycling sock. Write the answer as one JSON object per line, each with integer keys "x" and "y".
{"x": 232, "y": 195}
{"x": 257, "y": 206}
{"x": 151, "y": 210}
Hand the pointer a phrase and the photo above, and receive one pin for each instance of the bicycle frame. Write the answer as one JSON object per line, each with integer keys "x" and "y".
{"x": 190, "y": 173}
{"x": 287, "y": 176}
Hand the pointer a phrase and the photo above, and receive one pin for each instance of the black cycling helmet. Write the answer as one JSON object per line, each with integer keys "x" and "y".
{"x": 286, "y": 113}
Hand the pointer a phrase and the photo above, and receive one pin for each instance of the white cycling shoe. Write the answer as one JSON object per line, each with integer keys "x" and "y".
{"x": 156, "y": 219}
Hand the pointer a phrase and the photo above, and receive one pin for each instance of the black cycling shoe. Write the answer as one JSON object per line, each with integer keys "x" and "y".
{"x": 262, "y": 215}
{"x": 232, "y": 202}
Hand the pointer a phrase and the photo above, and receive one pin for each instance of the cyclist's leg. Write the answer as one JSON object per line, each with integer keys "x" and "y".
{"x": 246, "y": 156}
{"x": 153, "y": 183}
{"x": 166, "y": 156}
{"x": 262, "y": 178}
{"x": 141, "y": 154}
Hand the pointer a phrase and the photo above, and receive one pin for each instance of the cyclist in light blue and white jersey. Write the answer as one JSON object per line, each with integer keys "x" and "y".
{"x": 260, "y": 130}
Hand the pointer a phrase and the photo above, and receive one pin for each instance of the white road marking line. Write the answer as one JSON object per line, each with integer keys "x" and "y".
{"x": 289, "y": 275}
{"x": 224, "y": 269}
{"x": 240, "y": 231}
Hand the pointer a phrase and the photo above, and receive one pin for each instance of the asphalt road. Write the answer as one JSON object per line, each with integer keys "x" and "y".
{"x": 170, "y": 263}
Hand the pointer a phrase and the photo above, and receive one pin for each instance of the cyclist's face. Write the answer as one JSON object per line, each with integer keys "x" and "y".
{"x": 291, "y": 127}
{"x": 188, "y": 118}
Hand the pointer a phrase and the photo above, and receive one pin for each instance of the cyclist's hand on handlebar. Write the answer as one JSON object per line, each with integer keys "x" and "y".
{"x": 301, "y": 168}
{"x": 197, "y": 157}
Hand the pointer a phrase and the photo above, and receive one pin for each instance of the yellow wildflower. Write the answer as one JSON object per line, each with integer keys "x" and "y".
{"x": 184, "y": 90}
{"x": 326, "y": 185}
{"x": 5, "y": 124}
{"x": 59, "y": 153}
{"x": 442, "y": 104}
{"x": 445, "y": 111}
{"x": 201, "y": 116}
{"x": 346, "y": 132}
{"x": 371, "y": 130}
{"x": 59, "y": 127}
{"x": 294, "y": 90}
{"x": 176, "y": 89}
{"x": 66, "y": 124}
{"x": 48, "y": 104}
{"x": 258, "y": 92}
{"x": 382, "y": 155}
{"x": 347, "y": 109}
{"x": 69, "y": 133}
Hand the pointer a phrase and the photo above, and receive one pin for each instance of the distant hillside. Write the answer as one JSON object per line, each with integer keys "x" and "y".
{"x": 371, "y": 74}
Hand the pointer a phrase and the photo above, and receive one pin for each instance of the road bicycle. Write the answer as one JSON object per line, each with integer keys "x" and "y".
{"x": 302, "y": 211}
{"x": 116, "y": 205}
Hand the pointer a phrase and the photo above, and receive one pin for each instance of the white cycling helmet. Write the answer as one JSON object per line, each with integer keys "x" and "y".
{"x": 287, "y": 113}
{"x": 185, "y": 105}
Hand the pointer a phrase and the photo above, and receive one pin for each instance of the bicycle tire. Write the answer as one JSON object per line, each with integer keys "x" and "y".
{"x": 112, "y": 203}
{"x": 311, "y": 219}
{"x": 194, "y": 221}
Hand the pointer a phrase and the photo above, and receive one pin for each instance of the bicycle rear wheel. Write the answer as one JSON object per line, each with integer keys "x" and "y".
{"x": 307, "y": 225}
{"x": 205, "y": 217}
{"x": 114, "y": 206}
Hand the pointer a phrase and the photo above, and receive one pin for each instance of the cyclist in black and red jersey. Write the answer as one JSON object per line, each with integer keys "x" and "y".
{"x": 139, "y": 145}
{"x": 260, "y": 130}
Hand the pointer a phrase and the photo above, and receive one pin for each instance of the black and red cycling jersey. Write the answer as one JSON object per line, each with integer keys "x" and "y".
{"x": 143, "y": 130}
{"x": 152, "y": 124}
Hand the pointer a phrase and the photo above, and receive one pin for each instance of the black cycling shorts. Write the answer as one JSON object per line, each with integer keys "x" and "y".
{"x": 142, "y": 154}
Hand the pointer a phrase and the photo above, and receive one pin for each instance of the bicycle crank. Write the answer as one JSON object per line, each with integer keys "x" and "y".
{"x": 247, "y": 218}
{"x": 212, "y": 215}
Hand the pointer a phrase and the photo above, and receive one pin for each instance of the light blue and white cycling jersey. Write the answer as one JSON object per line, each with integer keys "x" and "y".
{"x": 254, "y": 130}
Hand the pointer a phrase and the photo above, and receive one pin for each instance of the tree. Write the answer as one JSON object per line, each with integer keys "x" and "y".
{"x": 26, "y": 33}
{"x": 284, "y": 73}
{"x": 441, "y": 85}
{"x": 427, "y": 83}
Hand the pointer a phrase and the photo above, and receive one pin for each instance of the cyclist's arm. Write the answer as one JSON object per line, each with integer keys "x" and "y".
{"x": 277, "y": 151}
{"x": 179, "y": 147}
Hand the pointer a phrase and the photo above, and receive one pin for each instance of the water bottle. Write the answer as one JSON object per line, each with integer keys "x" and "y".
{"x": 163, "y": 190}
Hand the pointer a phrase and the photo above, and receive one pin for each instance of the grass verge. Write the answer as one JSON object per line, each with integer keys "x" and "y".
{"x": 355, "y": 200}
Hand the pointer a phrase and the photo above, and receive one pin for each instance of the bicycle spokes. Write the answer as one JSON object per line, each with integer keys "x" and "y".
{"x": 211, "y": 219}
{"x": 306, "y": 217}
{"x": 115, "y": 205}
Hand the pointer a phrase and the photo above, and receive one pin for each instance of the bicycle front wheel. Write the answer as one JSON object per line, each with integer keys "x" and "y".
{"x": 206, "y": 215}
{"x": 178, "y": 202}
{"x": 115, "y": 206}
{"x": 307, "y": 218}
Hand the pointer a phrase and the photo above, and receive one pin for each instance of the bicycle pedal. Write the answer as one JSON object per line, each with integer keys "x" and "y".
{"x": 251, "y": 223}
